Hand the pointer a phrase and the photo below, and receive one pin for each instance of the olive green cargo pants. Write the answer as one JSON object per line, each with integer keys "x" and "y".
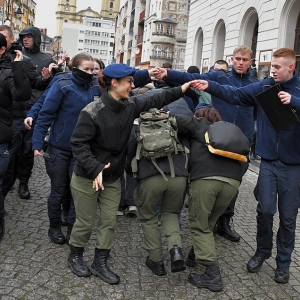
{"x": 208, "y": 200}
{"x": 147, "y": 196}
{"x": 86, "y": 200}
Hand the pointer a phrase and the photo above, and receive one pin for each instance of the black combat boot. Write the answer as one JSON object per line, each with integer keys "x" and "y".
{"x": 157, "y": 268}
{"x": 70, "y": 227}
{"x": 55, "y": 233}
{"x": 76, "y": 263}
{"x": 100, "y": 268}
{"x": 224, "y": 229}
{"x": 191, "y": 259}
{"x": 23, "y": 188}
{"x": 177, "y": 261}
{"x": 211, "y": 279}
{"x": 2, "y": 228}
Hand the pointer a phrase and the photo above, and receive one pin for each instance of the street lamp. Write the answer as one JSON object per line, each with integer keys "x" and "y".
{"x": 8, "y": 13}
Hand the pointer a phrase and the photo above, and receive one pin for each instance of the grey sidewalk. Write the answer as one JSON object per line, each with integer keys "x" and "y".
{"x": 31, "y": 267}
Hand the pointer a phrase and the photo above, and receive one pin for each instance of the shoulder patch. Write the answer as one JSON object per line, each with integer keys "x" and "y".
{"x": 94, "y": 107}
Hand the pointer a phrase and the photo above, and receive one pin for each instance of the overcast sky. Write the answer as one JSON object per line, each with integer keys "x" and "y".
{"x": 45, "y": 16}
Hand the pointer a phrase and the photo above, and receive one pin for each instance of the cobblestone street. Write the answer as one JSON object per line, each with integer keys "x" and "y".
{"x": 31, "y": 267}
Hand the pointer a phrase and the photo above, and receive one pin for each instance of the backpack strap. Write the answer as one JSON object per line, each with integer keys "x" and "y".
{"x": 159, "y": 169}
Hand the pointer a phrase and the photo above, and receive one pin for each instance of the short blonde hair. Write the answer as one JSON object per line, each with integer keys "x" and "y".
{"x": 286, "y": 53}
{"x": 243, "y": 49}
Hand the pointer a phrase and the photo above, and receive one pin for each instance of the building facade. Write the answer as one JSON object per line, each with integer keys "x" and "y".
{"x": 149, "y": 33}
{"x": 67, "y": 12}
{"x": 216, "y": 27}
{"x": 95, "y": 36}
{"x": 17, "y": 14}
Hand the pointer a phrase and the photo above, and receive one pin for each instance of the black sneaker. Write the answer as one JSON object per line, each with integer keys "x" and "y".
{"x": 282, "y": 275}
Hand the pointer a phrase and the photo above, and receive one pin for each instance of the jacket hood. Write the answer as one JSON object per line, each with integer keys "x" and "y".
{"x": 36, "y": 34}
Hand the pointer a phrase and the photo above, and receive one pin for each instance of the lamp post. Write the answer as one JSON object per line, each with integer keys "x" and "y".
{"x": 7, "y": 21}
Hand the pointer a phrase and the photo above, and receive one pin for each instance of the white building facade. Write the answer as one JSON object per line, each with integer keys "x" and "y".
{"x": 217, "y": 27}
{"x": 95, "y": 36}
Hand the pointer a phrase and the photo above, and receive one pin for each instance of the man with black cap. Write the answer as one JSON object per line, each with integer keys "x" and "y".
{"x": 22, "y": 158}
{"x": 14, "y": 85}
{"x": 38, "y": 81}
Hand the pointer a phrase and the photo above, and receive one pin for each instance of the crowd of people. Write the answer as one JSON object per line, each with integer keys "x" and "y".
{"x": 83, "y": 122}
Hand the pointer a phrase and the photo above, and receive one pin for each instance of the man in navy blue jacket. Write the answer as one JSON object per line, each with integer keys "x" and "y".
{"x": 280, "y": 162}
{"x": 238, "y": 76}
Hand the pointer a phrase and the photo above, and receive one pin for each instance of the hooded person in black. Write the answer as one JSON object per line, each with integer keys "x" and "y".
{"x": 36, "y": 64}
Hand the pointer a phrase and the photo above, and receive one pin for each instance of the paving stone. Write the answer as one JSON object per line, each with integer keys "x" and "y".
{"x": 31, "y": 267}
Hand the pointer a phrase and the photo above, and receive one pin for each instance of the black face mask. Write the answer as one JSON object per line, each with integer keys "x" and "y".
{"x": 82, "y": 75}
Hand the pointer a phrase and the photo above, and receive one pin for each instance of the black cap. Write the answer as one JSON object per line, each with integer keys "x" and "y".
{"x": 3, "y": 42}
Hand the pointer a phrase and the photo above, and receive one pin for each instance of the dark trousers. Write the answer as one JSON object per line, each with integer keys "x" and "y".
{"x": 277, "y": 179}
{"x": 128, "y": 186}
{"x": 21, "y": 155}
{"x": 4, "y": 160}
{"x": 59, "y": 167}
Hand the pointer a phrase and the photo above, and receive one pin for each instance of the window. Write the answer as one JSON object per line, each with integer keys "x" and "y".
{"x": 80, "y": 41}
{"x": 81, "y": 31}
{"x": 157, "y": 51}
{"x": 104, "y": 43}
{"x": 168, "y": 52}
{"x": 111, "y": 5}
{"x": 86, "y": 41}
{"x": 160, "y": 28}
{"x": 170, "y": 29}
{"x": 172, "y": 6}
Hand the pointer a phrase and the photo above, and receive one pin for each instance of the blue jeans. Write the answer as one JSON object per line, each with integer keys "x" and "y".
{"x": 277, "y": 179}
{"x": 59, "y": 167}
{"x": 4, "y": 160}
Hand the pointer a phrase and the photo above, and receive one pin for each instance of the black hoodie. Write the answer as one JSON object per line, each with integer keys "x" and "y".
{"x": 34, "y": 62}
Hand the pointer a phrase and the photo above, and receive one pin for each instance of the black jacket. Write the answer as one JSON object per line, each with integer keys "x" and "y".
{"x": 20, "y": 108}
{"x": 14, "y": 85}
{"x": 103, "y": 130}
{"x": 202, "y": 163}
{"x": 39, "y": 60}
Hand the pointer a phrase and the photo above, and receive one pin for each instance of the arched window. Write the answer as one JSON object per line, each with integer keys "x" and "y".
{"x": 297, "y": 44}
{"x": 168, "y": 53}
{"x": 157, "y": 51}
{"x": 111, "y": 5}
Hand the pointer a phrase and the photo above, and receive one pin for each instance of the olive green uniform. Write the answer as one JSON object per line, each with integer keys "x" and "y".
{"x": 86, "y": 201}
{"x": 146, "y": 197}
{"x": 209, "y": 197}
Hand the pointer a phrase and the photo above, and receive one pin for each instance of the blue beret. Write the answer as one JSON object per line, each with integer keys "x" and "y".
{"x": 202, "y": 105}
{"x": 118, "y": 71}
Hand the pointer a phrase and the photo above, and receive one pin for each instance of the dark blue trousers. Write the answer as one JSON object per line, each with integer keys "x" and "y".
{"x": 59, "y": 166}
{"x": 281, "y": 181}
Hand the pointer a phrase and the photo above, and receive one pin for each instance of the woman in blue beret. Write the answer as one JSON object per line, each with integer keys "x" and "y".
{"x": 99, "y": 147}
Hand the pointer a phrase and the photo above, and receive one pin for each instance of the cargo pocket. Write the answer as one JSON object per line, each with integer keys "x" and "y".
{"x": 192, "y": 205}
{"x": 138, "y": 195}
{"x": 49, "y": 162}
